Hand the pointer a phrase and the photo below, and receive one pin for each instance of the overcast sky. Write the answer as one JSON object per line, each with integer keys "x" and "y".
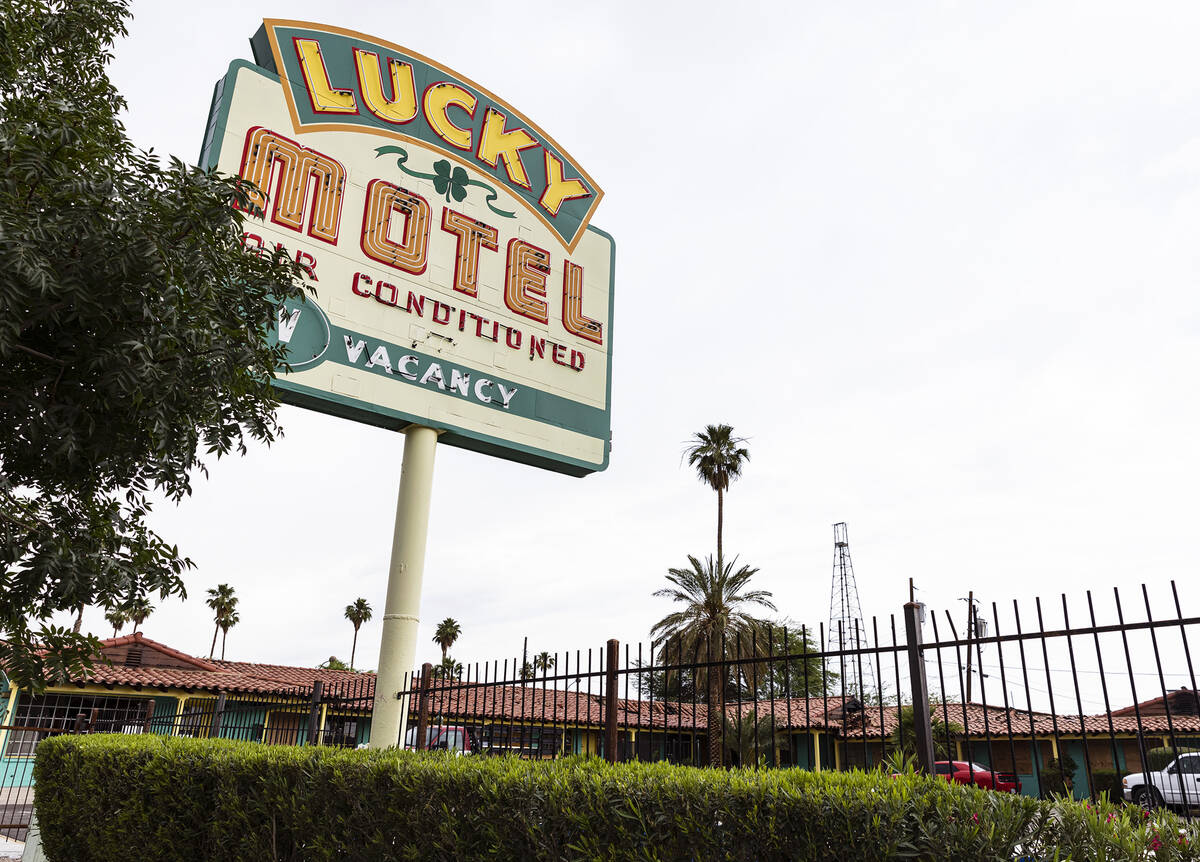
{"x": 962, "y": 316}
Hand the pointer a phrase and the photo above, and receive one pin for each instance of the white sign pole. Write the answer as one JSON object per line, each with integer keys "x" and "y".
{"x": 397, "y": 651}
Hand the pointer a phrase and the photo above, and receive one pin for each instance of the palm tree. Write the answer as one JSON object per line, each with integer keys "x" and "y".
{"x": 222, "y": 601}
{"x": 137, "y": 609}
{"x": 447, "y": 633}
{"x": 712, "y": 624}
{"x": 715, "y": 454}
{"x": 543, "y": 661}
{"x": 448, "y": 669}
{"x": 117, "y": 618}
{"x": 358, "y": 613}
{"x": 227, "y": 622}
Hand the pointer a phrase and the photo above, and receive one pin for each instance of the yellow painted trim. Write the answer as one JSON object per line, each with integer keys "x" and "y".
{"x": 958, "y": 749}
{"x": 1054, "y": 748}
{"x": 8, "y": 715}
{"x": 816, "y": 737}
{"x": 180, "y": 702}
{"x": 321, "y": 729}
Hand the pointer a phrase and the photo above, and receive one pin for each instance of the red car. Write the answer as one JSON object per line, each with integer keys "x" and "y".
{"x": 972, "y": 773}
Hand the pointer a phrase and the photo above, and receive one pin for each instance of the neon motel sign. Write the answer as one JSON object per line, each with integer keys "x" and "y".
{"x": 459, "y": 283}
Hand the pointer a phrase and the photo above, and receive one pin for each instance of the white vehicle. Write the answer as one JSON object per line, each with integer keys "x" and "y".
{"x": 1176, "y": 786}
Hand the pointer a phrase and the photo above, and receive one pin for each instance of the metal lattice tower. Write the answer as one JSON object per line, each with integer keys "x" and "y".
{"x": 846, "y": 630}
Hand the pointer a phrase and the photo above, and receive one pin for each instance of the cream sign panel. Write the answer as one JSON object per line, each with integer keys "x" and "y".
{"x": 458, "y": 282}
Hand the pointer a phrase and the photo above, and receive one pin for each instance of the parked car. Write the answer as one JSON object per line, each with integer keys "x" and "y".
{"x": 964, "y": 772}
{"x": 1178, "y": 785}
{"x": 445, "y": 737}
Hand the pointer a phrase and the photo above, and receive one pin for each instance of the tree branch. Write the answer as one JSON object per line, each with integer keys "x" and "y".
{"x": 39, "y": 354}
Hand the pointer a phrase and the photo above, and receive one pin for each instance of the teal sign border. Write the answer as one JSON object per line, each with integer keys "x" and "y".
{"x": 336, "y": 404}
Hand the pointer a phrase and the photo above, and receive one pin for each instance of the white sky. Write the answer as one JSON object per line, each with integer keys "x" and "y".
{"x": 962, "y": 317}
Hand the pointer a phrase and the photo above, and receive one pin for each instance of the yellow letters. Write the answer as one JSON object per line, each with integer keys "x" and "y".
{"x": 402, "y": 106}
{"x": 497, "y": 142}
{"x": 557, "y": 188}
{"x": 325, "y": 99}
{"x": 437, "y": 99}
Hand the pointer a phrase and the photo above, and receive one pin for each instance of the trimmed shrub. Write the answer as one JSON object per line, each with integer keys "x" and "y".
{"x": 1158, "y": 759}
{"x": 1106, "y": 784}
{"x": 159, "y": 799}
{"x": 1059, "y": 775}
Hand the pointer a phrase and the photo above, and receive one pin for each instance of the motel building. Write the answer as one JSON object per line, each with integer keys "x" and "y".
{"x": 150, "y": 687}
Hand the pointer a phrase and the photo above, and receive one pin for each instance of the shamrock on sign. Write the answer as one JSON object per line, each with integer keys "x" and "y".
{"x": 450, "y": 183}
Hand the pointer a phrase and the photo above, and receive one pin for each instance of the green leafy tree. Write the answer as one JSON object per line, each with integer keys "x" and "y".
{"x": 137, "y": 609}
{"x": 904, "y": 738}
{"x": 717, "y": 457}
{"x": 223, "y": 602}
{"x": 333, "y": 663}
{"x": 132, "y": 343}
{"x": 527, "y": 671}
{"x": 446, "y": 634}
{"x": 790, "y": 667}
{"x": 358, "y": 613}
{"x": 714, "y": 619}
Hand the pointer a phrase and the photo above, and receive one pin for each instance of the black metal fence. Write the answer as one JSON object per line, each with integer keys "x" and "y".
{"x": 1041, "y": 698}
{"x": 334, "y": 714}
{"x": 1068, "y": 696}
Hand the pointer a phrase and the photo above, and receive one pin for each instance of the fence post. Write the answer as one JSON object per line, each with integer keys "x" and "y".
{"x": 610, "y": 700}
{"x": 423, "y": 707}
{"x": 314, "y": 711}
{"x": 218, "y": 712}
{"x": 922, "y": 726}
{"x": 148, "y": 724}
{"x": 80, "y": 723}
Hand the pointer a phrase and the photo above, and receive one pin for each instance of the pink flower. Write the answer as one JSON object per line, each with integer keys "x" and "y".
{"x": 975, "y": 817}
{"x": 1155, "y": 844}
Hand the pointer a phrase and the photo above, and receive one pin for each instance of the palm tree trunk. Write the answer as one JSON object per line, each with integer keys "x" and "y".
{"x": 223, "y": 636}
{"x": 444, "y": 648}
{"x": 353, "y": 647}
{"x": 212, "y": 649}
{"x": 716, "y": 712}
{"x": 720, "y": 524}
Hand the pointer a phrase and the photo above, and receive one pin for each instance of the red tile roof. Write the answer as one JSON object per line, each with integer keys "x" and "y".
{"x": 203, "y": 675}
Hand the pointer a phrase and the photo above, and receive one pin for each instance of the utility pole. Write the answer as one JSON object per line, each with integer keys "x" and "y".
{"x": 970, "y": 633}
{"x": 976, "y": 629}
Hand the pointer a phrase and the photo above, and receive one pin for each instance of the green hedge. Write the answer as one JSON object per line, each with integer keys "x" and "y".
{"x": 107, "y": 798}
{"x": 1158, "y": 759}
